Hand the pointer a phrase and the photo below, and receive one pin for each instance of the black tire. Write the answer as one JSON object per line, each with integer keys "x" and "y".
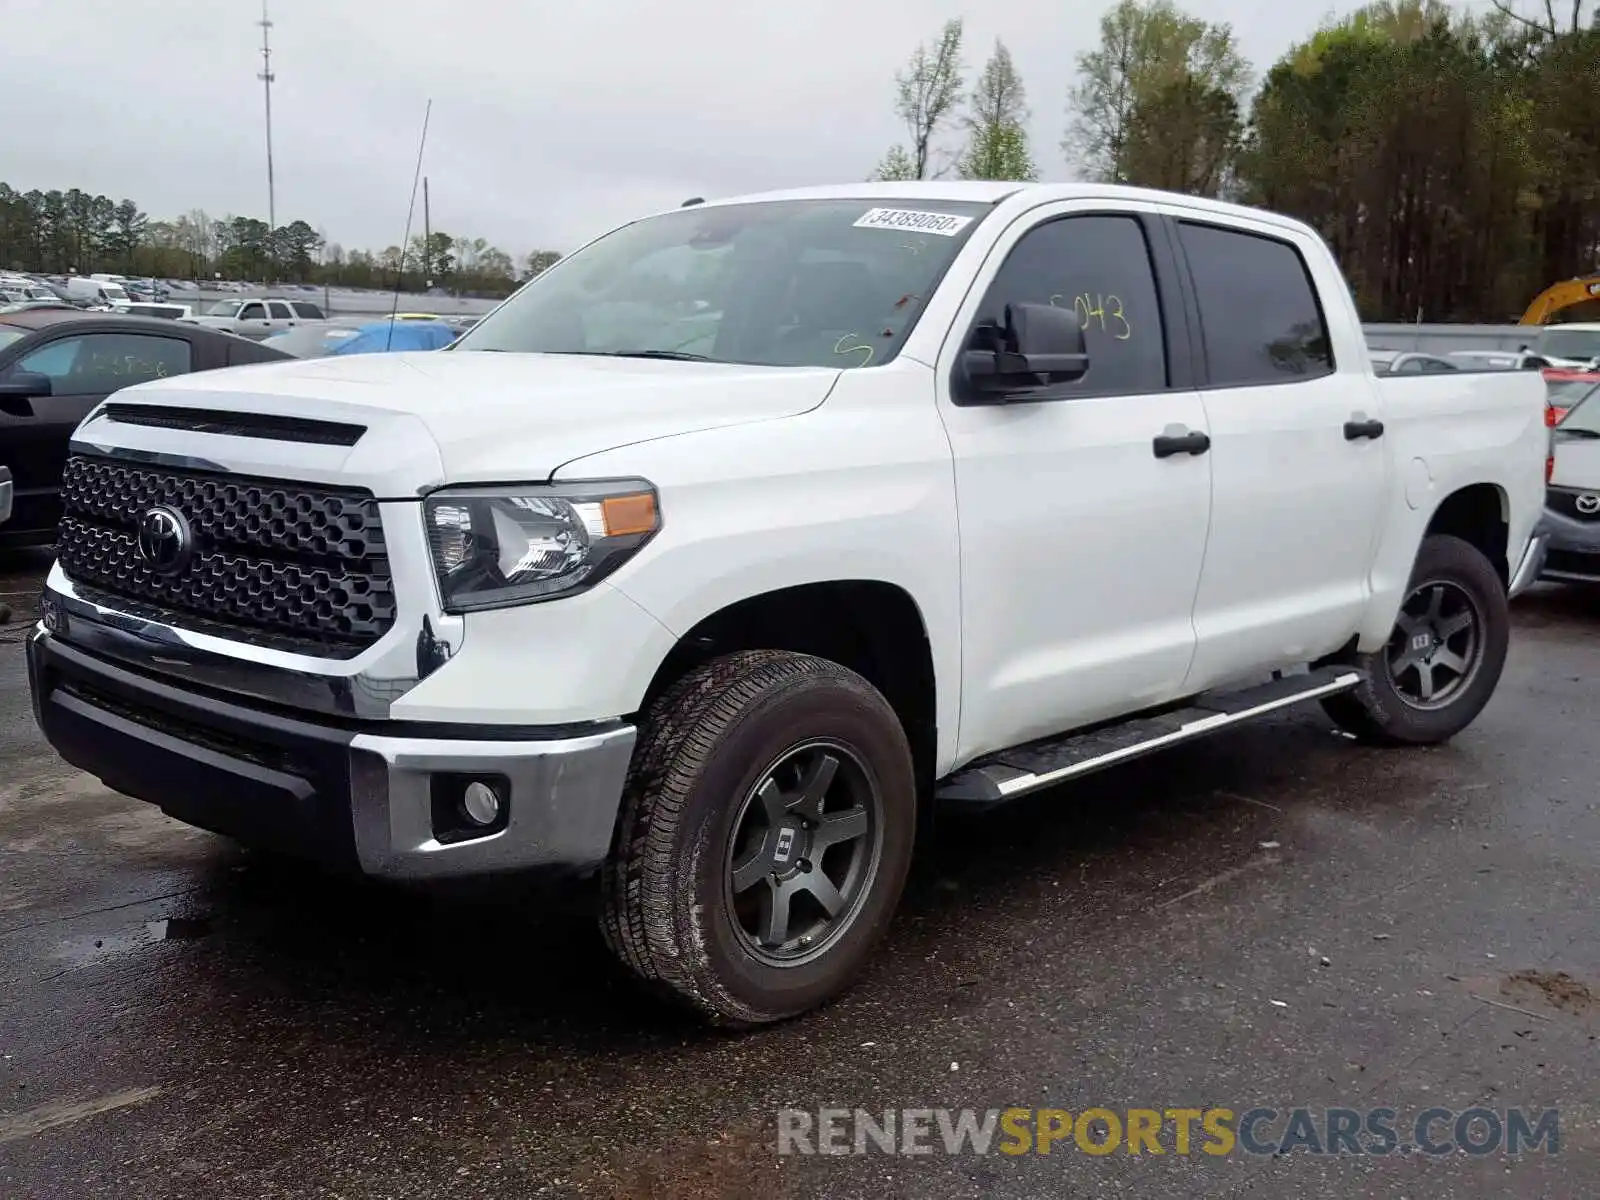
{"x": 1387, "y": 708}
{"x": 671, "y": 912}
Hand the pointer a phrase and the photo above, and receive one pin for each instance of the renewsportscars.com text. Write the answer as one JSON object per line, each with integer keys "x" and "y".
{"x": 1181, "y": 1131}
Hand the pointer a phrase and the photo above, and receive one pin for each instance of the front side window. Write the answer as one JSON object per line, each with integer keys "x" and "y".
{"x": 253, "y": 312}
{"x": 826, "y": 283}
{"x": 93, "y": 364}
{"x": 1099, "y": 267}
{"x": 1258, "y": 308}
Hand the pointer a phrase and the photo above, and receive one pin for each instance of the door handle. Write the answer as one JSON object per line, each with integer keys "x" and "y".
{"x": 1359, "y": 427}
{"x": 1187, "y": 442}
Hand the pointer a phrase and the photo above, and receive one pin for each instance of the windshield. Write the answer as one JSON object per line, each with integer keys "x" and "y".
{"x": 1582, "y": 344}
{"x": 835, "y": 283}
{"x": 223, "y": 308}
{"x": 113, "y": 291}
{"x": 1564, "y": 393}
{"x": 1585, "y": 414}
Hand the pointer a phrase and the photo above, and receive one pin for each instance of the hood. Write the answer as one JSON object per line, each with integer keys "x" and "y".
{"x": 459, "y": 417}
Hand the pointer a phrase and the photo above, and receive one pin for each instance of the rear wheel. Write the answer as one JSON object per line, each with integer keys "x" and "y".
{"x": 1444, "y": 657}
{"x": 765, "y": 837}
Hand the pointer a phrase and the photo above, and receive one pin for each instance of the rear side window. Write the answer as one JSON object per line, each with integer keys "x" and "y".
{"x": 1099, "y": 267}
{"x": 280, "y": 312}
{"x": 306, "y": 312}
{"x": 1259, "y": 314}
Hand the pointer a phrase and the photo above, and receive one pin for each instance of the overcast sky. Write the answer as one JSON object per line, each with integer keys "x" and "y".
{"x": 552, "y": 121}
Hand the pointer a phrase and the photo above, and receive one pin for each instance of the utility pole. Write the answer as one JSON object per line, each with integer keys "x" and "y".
{"x": 427, "y": 239}
{"x": 266, "y": 76}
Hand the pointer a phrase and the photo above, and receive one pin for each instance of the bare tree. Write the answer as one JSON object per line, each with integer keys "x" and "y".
{"x": 1550, "y": 26}
{"x": 927, "y": 93}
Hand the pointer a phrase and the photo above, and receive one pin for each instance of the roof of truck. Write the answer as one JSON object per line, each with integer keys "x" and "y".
{"x": 981, "y": 191}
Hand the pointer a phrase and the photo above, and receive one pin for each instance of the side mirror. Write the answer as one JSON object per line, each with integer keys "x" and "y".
{"x": 1038, "y": 345}
{"x": 20, "y": 387}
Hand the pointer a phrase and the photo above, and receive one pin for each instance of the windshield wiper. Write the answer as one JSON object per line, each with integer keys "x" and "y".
{"x": 672, "y": 355}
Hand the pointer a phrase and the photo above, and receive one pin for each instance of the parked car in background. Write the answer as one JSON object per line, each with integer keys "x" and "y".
{"x": 1409, "y": 362}
{"x": 390, "y": 337}
{"x": 1564, "y": 389}
{"x": 1499, "y": 360}
{"x": 1572, "y": 499}
{"x": 312, "y": 341}
{"x": 1572, "y": 345}
{"x": 106, "y": 295}
{"x": 259, "y": 318}
{"x": 147, "y": 289}
{"x": 168, "y": 312}
{"x": 15, "y": 290}
{"x": 56, "y": 364}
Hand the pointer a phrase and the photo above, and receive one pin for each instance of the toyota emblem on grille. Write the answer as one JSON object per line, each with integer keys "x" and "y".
{"x": 164, "y": 541}
{"x": 1588, "y": 504}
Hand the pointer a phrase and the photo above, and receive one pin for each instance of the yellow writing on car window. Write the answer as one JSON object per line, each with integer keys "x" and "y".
{"x": 1102, "y": 310}
{"x": 839, "y": 347}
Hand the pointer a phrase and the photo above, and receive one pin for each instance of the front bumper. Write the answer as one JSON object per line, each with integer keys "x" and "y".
{"x": 370, "y": 795}
{"x": 1572, "y": 550}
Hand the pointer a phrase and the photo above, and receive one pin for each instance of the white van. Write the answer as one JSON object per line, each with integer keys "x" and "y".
{"x": 99, "y": 293}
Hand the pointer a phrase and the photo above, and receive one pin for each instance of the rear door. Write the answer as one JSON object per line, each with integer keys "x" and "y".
{"x": 83, "y": 368}
{"x": 1300, "y": 473}
{"x": 280, "y": 315}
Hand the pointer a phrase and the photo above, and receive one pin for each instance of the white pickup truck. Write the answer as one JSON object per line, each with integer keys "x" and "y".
{"x": 711, "y": 559}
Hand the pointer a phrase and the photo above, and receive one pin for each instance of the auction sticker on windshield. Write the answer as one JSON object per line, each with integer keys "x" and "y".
{"x": 906, "y": 219}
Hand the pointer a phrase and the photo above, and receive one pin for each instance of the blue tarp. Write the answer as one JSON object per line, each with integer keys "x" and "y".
{"x": 407, "y": 335}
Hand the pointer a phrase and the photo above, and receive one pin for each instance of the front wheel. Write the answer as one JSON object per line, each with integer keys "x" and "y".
{"x": 765, "y": 836}
{"x": 1444, "y": 658}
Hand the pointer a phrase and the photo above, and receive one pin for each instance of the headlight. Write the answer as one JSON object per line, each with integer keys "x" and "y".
{"x": 495, "y": 547}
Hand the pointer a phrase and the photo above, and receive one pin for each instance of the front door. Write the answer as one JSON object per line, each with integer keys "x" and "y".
{"x": 1080, "y": 547}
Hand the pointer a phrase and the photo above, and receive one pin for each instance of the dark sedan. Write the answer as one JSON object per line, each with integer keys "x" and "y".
{"x": 56, "y": 364}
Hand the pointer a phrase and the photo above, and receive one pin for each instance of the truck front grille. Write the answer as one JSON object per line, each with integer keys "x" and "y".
{"x": 288, "y": 564}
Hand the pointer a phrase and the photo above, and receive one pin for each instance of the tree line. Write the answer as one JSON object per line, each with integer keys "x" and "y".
{"x": 1451, "y": 159}
{"x": 67, "y": 232}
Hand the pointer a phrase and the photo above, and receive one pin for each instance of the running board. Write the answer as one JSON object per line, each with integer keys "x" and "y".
{"x": 1023, "y": 769}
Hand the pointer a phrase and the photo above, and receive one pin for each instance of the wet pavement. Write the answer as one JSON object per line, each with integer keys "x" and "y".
{"x": 1274, "y": 918}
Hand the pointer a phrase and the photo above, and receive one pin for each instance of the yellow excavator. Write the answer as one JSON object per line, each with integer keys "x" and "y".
{"x": 1559, "y": 297}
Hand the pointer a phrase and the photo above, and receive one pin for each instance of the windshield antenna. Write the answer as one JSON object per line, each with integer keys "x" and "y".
{"x": 400, "y": 273}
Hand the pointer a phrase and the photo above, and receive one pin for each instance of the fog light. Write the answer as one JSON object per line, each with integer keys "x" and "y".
{"x": 480, "y": 803}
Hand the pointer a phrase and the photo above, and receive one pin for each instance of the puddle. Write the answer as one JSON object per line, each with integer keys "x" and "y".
{"x": 93, "y": 948}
